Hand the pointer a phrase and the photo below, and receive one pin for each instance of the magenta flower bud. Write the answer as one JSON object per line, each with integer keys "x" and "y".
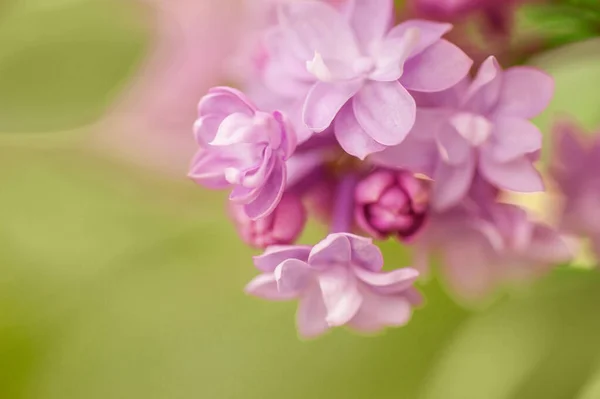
{"x": 391, "y": 203}
{"x": 282, "y": 227}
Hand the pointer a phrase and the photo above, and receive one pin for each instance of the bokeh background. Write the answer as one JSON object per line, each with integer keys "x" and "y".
{"x": 121, "y": 279}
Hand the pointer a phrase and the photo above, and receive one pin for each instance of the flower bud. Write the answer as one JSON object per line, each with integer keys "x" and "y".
{"x": 391, "y": 203}
{"x": 281, "y": 227}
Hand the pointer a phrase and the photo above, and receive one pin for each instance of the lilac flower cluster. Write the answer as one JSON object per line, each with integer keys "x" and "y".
{"x": 377, "y": 129}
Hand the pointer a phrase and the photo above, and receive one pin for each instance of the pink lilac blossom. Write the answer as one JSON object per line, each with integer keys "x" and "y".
{"x": 337, "y": 282}
{"x": 243, "y": 148}
{"x": 486, "y": 246}
{"x": 576, "y": 170}
{"x": 349, "y": 63}
{"x": 391, "y": 203}
{"x": 479, "y": 126}
{"x": 281, "y": 227}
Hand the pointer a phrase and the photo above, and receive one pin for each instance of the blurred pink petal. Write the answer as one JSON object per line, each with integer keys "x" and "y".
{"x": 191, "y": 39}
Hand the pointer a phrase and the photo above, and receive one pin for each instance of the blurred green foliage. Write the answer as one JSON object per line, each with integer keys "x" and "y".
{"x": 560, "y": 22}
{"x": 116, "y": 283}
{"x": 62, "y": 63}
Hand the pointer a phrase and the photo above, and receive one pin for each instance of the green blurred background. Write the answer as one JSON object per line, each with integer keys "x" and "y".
{"x": 118, "y": 281}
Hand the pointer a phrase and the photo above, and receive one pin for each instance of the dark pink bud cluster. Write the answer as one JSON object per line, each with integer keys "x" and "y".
{"x": 391, "y": 204}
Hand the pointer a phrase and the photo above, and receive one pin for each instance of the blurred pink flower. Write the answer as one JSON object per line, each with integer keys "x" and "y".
{"x": 485, "y": 246}
{"x": 190, "y": 42}
{"x": 576, "y": 170}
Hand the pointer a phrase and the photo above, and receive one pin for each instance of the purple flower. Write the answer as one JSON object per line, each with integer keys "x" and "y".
{"x": 281, "y": 227}
{"x": 575, "y": 168}
{"x": 337, "y": 282}
{"x": 354, "y": 67}
{"x": 484, "y": 247}
{"x": 480, "y": 126}
{"x": 390, "y": 203}
{"x": 243, "y": 148}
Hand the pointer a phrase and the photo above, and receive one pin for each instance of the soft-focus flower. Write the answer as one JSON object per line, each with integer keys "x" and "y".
{"x": 391, "y": 203}
{"x": 485, "y": 247}
{"x": 243, "y": 148}
{"x": 337, "y": 282}
{"x": 478, "y": 127}
{"x": 189, "y": 39}
{"x": 498, "y": 14}
{"x": 281, "y": 227}
{"x": 349, "y": 64}
{"x": 576, "y": 170}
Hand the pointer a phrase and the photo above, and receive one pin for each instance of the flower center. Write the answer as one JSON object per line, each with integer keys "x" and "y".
{"x": 474, "y": 128}
{"x": 334, "y": 70}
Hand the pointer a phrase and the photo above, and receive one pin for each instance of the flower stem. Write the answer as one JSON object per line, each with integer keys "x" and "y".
{"x": 343, "y": 210}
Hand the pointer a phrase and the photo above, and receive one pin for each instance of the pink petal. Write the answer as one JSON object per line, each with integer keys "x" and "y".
{"x": 454, "y": 149}
{"x": 452, "y": 182}
{"x": 380, "y": 311}
{"x": 292, "y": 276}
{"x": 316, "y": 27}
{"x": 415, "y": 155}
{"x": 324, "y": 101}
{"x": 352, "y": 137}
{"x": 365, "y": 253}
{"x": 514, "y": 138}
{"x": 333, "y": 249}
{"x": 276, "y": 41}
{"x": 255, "y": 175}
{"x": 301, "y": 165}
{"x": 238, "y": 128}
{"x": 569, "y": 150}
{"x": 469, "y": 265}
{"x": 340, "y": 295}
{"x": 525, "y": 93}
{"x": 393, "y": 282}
{"x": 548, "y": 246}
{"x": 270, "y": 193}
{"x": 519, "y": 175}
{"x": 369, "y": 190}
{"x": 311, "y": 314}
{"x": 207, "y": 169}
{"x": 224, "y": 101}
{"x": 243, "y": 195}
{"x": 290, "y": 219}
{"x": 265, "y": 286}
{"x": 391, "y": 56}
{"x": 370, "y": 20}
{"x": 509, "y": 221}
{"x": 280, "y": 79}
{"x": 386, "y": 111}
{"x": 439, "y": 67}
{"x": 205, "y": 128}
{"x": 429, "y": 32}
{"x": 275, "y": 255}
{"x": 414, "y": 296}
{"x": 485, "y": 89}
